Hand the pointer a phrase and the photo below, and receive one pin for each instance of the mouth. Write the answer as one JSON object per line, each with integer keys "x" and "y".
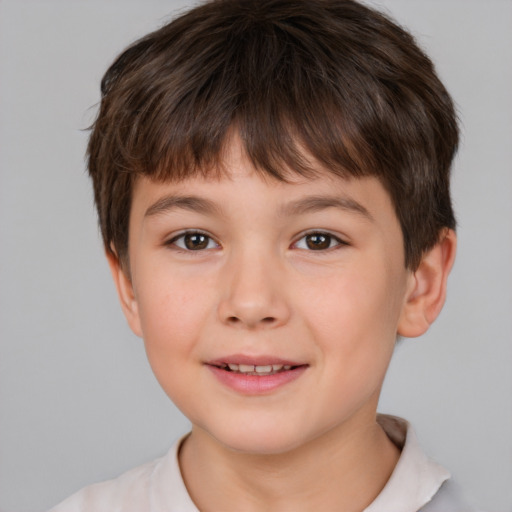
{"x": 255, "y": 375}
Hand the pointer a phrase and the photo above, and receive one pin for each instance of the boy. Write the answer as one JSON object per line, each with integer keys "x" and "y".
{"x": 272, "y": 183}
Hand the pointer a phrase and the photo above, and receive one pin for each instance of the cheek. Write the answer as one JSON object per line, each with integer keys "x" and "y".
{"x": 354, "y": 328}
{"x": 353, "y": 316}
{"x": 349, "y": 302}
{"x": 170, "y": 320}
{"x": 171, "y": 312}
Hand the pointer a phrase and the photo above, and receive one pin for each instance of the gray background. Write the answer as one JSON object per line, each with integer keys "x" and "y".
{"x": 78, "y": 402}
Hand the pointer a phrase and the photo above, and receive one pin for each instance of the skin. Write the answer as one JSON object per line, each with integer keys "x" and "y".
{"x": 259, "y": 287}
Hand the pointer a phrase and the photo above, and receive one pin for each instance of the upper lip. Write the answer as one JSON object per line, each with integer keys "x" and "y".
{"x": 260, "y": 360}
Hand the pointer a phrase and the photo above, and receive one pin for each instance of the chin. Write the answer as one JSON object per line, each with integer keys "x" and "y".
{"x": 259, "y": 439}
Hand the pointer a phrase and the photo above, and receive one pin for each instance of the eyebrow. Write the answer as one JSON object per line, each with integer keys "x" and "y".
{"x": 190, "y": 203}
{"x": 306, "y": 205}
{"x": 318, "y": 203}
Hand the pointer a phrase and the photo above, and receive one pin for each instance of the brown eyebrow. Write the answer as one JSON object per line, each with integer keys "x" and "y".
{"x": 318, "y": 203}
{"x": 191, "y": 203}
{"x": 305, "y": 205}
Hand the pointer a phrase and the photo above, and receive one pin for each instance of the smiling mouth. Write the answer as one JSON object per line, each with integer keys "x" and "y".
{"x": 255, "y": 375}
{"x": 257, "y": 370}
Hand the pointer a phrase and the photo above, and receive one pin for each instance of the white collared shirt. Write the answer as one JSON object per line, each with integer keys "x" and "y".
{"x": 417, "y": 483}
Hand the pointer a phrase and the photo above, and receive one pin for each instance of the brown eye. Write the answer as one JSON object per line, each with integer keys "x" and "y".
{"x": 194, "y": 241}
{"x": 318, "y": 241}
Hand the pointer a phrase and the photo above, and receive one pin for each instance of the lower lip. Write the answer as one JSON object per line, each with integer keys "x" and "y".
{"x": 256, "y": 384}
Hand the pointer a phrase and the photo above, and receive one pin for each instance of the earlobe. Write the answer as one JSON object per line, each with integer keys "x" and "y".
{"x": 125, "y": 293}
{"x": 427, "y": 287}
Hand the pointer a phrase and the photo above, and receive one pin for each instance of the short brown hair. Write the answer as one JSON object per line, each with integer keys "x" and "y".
{"x": 332, "y": 79}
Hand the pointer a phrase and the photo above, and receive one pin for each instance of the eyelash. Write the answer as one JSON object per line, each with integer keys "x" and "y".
{"x": 329, "y": 238}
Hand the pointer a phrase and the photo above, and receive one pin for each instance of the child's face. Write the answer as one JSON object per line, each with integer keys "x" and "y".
{"x": 243, "y": 270}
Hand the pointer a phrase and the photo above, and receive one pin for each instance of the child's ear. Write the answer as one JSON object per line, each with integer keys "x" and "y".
{"x": 125, "y": 292}
{"x": 427, "y": 287}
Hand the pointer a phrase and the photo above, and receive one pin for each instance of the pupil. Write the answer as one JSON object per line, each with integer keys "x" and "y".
{"x": 196, "y": 241}
{"x": 318, "y": 241}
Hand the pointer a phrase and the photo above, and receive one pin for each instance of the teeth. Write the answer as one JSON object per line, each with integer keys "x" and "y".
{"x": 263, "y": 369}
{"x": 251, "y": 369}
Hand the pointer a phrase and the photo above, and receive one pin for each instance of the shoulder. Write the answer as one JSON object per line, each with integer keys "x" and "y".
{"x": 156, "y": 486}
{"x": 130, "y": 488}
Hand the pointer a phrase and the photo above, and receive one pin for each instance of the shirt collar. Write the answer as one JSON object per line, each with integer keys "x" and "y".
{"x": 415, "y": 479}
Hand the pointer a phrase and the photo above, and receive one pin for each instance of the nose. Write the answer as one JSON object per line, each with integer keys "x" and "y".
{"x": 253, "y": 293}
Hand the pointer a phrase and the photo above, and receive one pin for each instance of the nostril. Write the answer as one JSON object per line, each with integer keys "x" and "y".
{"x": 236, "y": 320}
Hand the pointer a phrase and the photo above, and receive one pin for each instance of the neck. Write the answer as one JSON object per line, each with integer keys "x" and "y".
{"x": 343, "y": 469}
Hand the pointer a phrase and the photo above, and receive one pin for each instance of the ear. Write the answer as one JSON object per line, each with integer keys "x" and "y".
{"x": 125, "y": 293}
{"x": 427, "y": 287}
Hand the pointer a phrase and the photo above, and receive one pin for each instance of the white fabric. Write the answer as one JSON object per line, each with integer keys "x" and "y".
{"x": 158, "y": 486}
